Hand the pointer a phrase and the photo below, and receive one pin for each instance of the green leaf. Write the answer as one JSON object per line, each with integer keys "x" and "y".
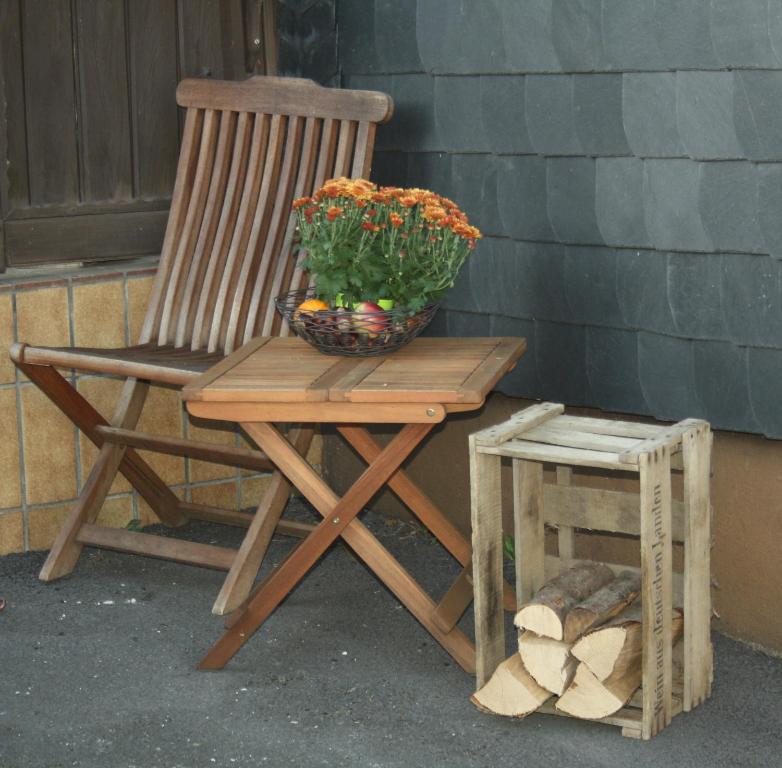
{"x": 509, "y": 547}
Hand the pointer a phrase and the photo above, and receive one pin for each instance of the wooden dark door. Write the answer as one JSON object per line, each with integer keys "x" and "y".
{"x": 89, "y": 129}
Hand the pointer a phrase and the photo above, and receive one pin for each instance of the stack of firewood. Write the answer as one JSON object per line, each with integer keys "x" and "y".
{"x": 580, "y": 639}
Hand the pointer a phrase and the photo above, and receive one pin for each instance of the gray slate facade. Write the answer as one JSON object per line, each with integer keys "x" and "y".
{"x": 624, "y": 161}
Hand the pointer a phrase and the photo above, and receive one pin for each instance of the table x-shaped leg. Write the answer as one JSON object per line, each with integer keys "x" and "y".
{"x": 338, "y": 520}
{"x": 458, "y": 598}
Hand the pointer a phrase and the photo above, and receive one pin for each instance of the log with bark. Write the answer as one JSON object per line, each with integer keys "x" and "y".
{"x": 610, "y": 670}
{"x": 511, "y": 691}
{"x": 603, "y": 605}
{"x": 600, "y": 648}
{"x": 545, "y": 614}
{"x": 548, "y": 661}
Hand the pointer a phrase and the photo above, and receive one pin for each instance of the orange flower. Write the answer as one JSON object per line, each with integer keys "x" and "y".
{"x": 301, "y": 202}
{"x": 309, "y": 211}
{"x": 369, "y": 226}
{"x": 333, "y": 212}
{"x": 433, "y": 213}
{"x": 408, "y": 201}
{"x": 396, "y": 220}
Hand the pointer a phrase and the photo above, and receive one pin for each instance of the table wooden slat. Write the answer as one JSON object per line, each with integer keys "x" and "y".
{"x": 430, "y": 370}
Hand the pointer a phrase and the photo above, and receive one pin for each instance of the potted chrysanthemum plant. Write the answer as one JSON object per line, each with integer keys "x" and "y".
{"x": 380, "y": 260}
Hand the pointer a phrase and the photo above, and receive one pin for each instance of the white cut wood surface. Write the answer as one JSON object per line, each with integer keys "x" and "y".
{"x": 602, "y": 648}
{"x": 511, "y": 691}
{"x": 548, "y": 661}
{"x": 590, "y": 698}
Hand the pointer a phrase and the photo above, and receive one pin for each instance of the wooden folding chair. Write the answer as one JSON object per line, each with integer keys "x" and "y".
{"x": 248, "y": 150}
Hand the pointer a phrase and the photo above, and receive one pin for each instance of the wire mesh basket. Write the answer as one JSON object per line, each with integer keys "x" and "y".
{"x": 343, "y": 331}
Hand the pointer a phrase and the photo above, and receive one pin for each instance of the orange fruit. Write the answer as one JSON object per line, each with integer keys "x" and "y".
{"x": 309, "y": 307}
{"x": 312, "y": 305}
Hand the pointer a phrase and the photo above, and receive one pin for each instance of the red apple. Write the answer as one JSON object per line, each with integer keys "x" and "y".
{"x": 370, "y": 319}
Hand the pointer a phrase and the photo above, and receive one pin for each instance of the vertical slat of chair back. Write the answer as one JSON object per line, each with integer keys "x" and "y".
{"x": 249, "y": 149}
{"x": 180, "y": 200}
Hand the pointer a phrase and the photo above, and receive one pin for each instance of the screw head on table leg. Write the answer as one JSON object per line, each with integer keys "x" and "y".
{"x": 335, "y": 520}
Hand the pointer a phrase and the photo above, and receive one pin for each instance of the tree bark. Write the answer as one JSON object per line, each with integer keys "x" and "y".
{"x": 545, "y": 614}
{"x": 602, "y": 605}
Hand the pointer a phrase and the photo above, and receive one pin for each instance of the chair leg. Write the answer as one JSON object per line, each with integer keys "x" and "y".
{"x": 140, "y": 475}
{"x": 241, "y": 577}
{"x": 66, "y": 549}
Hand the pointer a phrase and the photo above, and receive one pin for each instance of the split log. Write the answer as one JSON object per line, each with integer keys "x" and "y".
{"x": 545, "y": 613}
{"x": 603, "y": 605}
{"x": 511, "y": 691}
{"x": 591, "y": 698}
{"x": 611, "y": 646}
{"x": 601, "y": 648}
{"x": 548, "y": 661}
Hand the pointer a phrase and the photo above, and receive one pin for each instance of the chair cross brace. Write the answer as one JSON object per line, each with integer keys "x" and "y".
{"x": 115, "y": 456}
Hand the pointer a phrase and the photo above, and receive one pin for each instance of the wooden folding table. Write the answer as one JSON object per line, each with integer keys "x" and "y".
{"x": 272, "y": 381}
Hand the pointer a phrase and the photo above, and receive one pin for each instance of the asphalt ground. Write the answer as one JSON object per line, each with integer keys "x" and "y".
{"x": 98, "y": 669}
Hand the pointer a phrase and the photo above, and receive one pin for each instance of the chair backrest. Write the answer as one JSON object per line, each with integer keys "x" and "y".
{"x": 249, "y": 148}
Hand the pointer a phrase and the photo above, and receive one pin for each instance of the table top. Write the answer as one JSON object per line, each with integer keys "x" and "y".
{"x": 428, "y": 370}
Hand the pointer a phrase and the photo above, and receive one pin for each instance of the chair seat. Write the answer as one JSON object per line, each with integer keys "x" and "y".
{"x": 166, "y": 364}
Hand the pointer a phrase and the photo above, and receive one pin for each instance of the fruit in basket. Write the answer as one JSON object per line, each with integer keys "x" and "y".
{"x": 343, "y": 322}
{"x": 369, "y": 319}
{"x": 309, "y": 307}
{"x": 305, "y": 313}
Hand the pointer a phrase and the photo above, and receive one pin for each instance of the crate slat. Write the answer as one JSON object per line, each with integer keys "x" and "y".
{"x": 652, "y": 516}
{"x": 551, "y": 434}
{"x": 599, "y": 509}
{"x": 555, "y": 454}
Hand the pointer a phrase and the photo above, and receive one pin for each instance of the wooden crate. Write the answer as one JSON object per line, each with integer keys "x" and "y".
{"x": 543, "y": 434}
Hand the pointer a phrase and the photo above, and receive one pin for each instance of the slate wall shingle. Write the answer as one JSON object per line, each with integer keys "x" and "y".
{"x": 624, "y": 159}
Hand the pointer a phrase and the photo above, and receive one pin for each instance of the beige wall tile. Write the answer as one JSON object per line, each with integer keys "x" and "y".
{"x": 49, "y": 449}
{"x": 207, "y": 431}
{"x": 217, "y": 495}
{"x": 116, "y": 512}
{"x": 252, "y": 490}
{"x": 42, "y": 317}
{"x": 99, "y": 314}
{"x": 7, "y": 368}
{"x": 103, "y": 394}
{"x": 138, "y": 298}
{"x": 10, "y": 481}
{"x": 43, "y": 524}
{"x": 11, "y": 532}
{"x": 162, "y": 415}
